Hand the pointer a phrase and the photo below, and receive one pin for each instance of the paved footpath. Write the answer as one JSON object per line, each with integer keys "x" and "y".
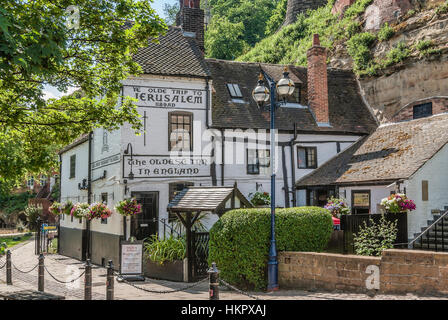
{"x": 66, "y": 269}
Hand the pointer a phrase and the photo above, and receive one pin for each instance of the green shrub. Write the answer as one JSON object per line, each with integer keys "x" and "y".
{"x": 161, "y": 251}
{"x": 386, "y": 32}
{"x": 240, "y": 240}
{"x": 426, "y": 47}
{"x": 397, "y": 54}
{"x": 372, "y": 239}
{"x": 358, "y": 47}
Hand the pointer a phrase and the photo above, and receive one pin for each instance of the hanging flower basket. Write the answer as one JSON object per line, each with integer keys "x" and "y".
{"x": 80, "y": 210}
{"x": 398, "y": 203}
{"x": 67, "y": 207}
{"x": 128, "y": 207}
{"x": 98, "y": 211}
{"x": 56, "y": 209}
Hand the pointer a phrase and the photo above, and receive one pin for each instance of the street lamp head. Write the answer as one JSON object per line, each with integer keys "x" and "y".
{"x": 260, "y": 93}
{"x": 285, "y": 87}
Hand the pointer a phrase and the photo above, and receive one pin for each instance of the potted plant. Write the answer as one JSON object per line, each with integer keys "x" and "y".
{"x": 398, "y": 203}
{"x": 128, "y": 207}
{"x": 260, "y": 199}
{"x": 164, "y": 259}
{"x": 80, "y": 210}
{"x": 98, "y": 211}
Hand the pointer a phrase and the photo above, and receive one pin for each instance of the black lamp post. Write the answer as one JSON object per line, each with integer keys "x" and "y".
{"x": 285, "y": 87}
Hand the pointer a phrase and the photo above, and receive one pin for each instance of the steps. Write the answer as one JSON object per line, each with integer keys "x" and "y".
{"x": 435, "y": 235}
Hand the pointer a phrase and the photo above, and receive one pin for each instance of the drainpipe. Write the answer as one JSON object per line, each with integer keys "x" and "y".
{"x": 222, "y": 157}
{"x": 207, "y": 102}
{"x": 293, "y": 168}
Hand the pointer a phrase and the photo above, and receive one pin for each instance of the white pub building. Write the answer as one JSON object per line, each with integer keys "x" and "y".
{"x": 203, "y": 128}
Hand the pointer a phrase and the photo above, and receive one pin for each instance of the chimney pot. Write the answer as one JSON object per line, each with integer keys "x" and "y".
{"x": 316, "y": 41}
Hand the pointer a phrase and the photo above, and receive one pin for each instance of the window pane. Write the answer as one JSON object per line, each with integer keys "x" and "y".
{"x": 422, "y": 110}
{"x": 231, "y": 90}
{"x": 237, "y": 91}
{"x": 301, "y": 157}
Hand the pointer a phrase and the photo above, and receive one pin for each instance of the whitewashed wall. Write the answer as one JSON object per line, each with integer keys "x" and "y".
{"x": 436, "y": 173}
{"x": 69, "y": 187}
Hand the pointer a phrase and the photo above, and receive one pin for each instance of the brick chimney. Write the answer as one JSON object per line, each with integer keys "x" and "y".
{"x": 317, "y": 82}
{"x": 191, "y": 19}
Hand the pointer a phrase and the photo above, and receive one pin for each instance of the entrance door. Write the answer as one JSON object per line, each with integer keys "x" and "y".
{"x": 145, "y": 224}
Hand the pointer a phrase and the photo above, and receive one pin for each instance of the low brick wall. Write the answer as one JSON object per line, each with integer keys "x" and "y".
{"x": 400, "y": 271}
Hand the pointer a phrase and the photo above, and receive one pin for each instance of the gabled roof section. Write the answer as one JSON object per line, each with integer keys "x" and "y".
{"x": 80, "y": 140}
{"x": 195, "y": 199}
{"x": 393, "y": 152}
{"x": 348, "y": 112}
{"x": 174, "y": 55}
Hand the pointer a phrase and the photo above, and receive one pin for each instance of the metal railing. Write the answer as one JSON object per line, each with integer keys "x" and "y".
{"x": 425, "y": 238}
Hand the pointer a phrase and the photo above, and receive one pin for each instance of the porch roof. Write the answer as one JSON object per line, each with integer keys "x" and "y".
{"x": 214, "y": 199}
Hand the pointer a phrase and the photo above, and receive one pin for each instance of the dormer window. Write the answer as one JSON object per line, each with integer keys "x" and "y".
{"x": 422, "y": 110}
{"x": 234, "y": 91}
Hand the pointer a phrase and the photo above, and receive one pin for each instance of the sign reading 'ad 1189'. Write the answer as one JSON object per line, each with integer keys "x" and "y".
{"x": 166, "y": 166}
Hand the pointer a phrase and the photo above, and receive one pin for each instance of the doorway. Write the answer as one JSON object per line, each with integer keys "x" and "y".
{"x": 146, "y": 223}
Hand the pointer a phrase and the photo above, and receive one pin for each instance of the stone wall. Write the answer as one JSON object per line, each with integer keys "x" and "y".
{"x": 439, "y": 105}
{"x": 298, "y": 6}
{"x": 397, "y": 271}
{"x": 417, "y": 81}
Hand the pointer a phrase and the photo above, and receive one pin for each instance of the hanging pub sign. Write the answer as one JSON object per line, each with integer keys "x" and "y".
{"x": 163, "y": 97}
{"x": 131, "y": 260}
{"x": 143, "y": 166}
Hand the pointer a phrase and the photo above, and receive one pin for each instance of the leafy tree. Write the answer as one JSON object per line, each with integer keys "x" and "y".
{"x": 46, "y": 42}
{"x": 247, "y": 17}
{"x": 277, "y": 18}
{"x": 170, "y": 11}
{"x": 224, "y": 39}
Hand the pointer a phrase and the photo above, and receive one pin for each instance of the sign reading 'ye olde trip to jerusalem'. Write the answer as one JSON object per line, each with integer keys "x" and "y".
{"x": 165, "y": 97}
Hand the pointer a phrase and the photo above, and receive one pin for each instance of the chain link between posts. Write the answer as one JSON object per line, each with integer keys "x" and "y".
{"x": 64, "y": 282}
{"x": 228, "y": 285}
{"x": 21, "y": 271}
{"x": 160, "y": 291}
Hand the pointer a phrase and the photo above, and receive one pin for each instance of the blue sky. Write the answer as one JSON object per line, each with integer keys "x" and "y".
{"x": 159, "y": 4}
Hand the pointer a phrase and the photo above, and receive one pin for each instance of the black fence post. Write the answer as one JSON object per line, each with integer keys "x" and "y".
{"x": 88, "y": 281}
{"x": 40, "y": 281}
{"x": 8, "y": 268}
{"x": 110, "y": 282}
{"x": 213, "y": 274}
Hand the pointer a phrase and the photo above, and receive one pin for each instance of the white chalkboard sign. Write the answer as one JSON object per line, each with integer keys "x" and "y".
{"x": 131, "y": 260}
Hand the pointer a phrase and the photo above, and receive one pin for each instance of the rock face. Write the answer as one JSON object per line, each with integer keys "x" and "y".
{"x": 298, "y": 6}
{"x": 382, "y": 11}
{"x": 417, "y": 82}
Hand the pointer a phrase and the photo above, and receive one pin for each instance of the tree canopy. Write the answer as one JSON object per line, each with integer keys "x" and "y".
{"x": 85, "y": 44}
{"x": 248, "y": 18}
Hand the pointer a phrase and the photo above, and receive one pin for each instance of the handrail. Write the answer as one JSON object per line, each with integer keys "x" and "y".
{"x": 429, "y": 227}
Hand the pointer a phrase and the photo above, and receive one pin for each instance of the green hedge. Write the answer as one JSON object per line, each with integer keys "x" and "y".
{"x": 240, "y": 240}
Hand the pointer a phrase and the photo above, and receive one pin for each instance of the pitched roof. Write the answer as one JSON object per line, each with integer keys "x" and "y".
{"x": 203, "y": 199}
{"x": 348, "y": 112}
{"x": 393, "y": 152}
{"x": 81, "y": 139}
{"x": 174, "y": 55}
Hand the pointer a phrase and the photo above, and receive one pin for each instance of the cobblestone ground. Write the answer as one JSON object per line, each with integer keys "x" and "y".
{"x": 66, "y": 269}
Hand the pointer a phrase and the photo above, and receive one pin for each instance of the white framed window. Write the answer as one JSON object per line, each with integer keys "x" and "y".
{"x": 258, "y": 161}
{"x": 43, "y": 180}
{"x": 30, "y": 182}
{"x": 234, "y": 90}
